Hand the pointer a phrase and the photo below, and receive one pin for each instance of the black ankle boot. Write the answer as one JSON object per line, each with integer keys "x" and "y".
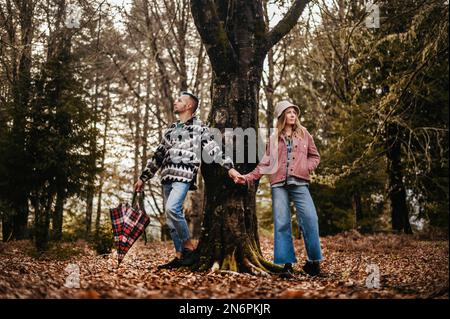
{"x": 312, "y": 268}
{"x": 189, "y": 257}
{"x": 287, "y": 272}
{"x": 174, "y": 263}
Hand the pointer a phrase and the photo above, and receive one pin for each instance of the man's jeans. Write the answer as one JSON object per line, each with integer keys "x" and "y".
{"x": 174, "y": 196}
{"x": 307, "y": 221}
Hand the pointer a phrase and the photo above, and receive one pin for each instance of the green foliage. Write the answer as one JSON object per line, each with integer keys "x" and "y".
{"x": 52, "y": 156}
{"x": 356, "y": 82}
{"x": 333, "y": 209}
{"x": 412, "y": 52}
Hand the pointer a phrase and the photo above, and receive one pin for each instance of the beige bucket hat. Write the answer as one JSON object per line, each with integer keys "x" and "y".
{"x": 282, "y": 106}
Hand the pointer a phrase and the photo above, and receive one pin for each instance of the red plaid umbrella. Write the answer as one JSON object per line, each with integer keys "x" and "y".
{"x": 128, "y": 222}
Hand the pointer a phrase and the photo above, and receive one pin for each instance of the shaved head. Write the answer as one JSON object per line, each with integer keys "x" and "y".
{"x": 193, "y": 100}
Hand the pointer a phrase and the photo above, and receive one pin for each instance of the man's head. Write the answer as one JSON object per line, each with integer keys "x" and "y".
{"x": 186, "y": 102}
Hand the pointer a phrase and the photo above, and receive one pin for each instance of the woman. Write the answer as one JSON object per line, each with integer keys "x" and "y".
{"x": 290, "y": 158}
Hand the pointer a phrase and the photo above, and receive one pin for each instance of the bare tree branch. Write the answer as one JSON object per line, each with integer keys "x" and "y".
{"x": 286, "y": 24}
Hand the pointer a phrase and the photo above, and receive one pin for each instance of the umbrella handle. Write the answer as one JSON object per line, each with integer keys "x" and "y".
{"x": 139, "y": 196}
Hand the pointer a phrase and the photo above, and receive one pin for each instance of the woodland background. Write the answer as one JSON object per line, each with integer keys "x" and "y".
{"x": 82, "y": 106}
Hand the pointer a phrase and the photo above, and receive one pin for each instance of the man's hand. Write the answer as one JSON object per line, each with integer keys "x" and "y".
{"x": 138, "y": 186}
{"x": 236, "y": 176}
{"x": 240, "y": 180}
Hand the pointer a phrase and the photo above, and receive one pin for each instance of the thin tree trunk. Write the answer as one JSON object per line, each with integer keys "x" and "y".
{"x": 58, "y": 216}
{"x": 90, "y": 189}
{"x": 7, "y": 229}
{"x": 42, "y": 207}
{"x": 163, "y": 77}
{"x": 102, "y": 165}
{"x": 396, "y": 187}
{"x": 89, "y": 210}
{"x": 357, "y": 207}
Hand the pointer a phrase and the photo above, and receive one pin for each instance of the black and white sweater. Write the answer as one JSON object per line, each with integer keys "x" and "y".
{"x": 179, "y": 154}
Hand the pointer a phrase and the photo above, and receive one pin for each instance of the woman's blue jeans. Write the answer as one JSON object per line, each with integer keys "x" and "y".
{"x": 307, "y": 220}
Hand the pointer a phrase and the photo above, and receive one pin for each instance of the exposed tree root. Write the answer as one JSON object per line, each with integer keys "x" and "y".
{"x": 250, "y": 261}
{"x": 254, "y": 270}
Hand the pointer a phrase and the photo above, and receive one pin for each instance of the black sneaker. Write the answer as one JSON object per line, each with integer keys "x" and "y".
{"x": 174, "y": 263}
{"x": 312, "y": 268}
{"x": 287, "y": 272}
{"x": 188, "y": 258}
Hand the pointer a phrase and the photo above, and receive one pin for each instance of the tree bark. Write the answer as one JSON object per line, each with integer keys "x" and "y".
{"x": 90, "y": 188}
{"x": 6, "y": 228}
{"x": 21, "y": 96}
{"x": 193, "y": 210}
{"x": 164, "y": 81}
{"x": 89, "y": 210}
{"x": 357, "y": 207}
{"x": 42, "y": 205}
{"x": 269, "y": 87}
{"x": 396, "y": 187}
{"x": 58, "y": 215}
{"x": 230, "y": 231}
{"x": 102, "y": 167}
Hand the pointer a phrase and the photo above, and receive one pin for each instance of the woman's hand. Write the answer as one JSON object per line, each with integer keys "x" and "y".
{"x": 236, "y": 176}
{"x": 240, "y": 180}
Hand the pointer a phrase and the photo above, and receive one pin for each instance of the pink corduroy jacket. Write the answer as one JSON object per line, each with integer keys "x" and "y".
{"x": 304, "y": 159}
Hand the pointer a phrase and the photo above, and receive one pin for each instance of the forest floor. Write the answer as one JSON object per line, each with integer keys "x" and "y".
{"x": 408, "y": 268}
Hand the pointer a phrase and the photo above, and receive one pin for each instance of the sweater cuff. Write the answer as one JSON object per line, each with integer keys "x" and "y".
{"x": 228, "y": 165}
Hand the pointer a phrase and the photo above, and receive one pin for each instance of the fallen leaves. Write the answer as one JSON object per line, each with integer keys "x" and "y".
{"x": 408, "y": 268}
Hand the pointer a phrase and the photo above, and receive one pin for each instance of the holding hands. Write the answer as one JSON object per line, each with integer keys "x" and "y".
{"x": 236, "y": 176}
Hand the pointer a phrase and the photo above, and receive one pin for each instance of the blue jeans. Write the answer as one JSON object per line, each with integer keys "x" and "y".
{"x": 174, "y": 196}
{"x": 307, "y": 221}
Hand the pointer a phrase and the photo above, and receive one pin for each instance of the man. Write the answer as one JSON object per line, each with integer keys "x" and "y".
{"x": 179, "y": 156}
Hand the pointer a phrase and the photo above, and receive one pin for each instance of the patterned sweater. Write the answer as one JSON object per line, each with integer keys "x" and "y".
{"x": 180, "y": 152}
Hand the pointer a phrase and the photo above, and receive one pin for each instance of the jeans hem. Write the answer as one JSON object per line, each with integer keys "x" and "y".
{"x": 285, "y": 262}
{"x": 315, "y": 260}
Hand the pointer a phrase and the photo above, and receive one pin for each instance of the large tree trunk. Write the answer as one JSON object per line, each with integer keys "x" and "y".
{"x": 230, "y": 237}
{"x": 396, "y": 187}
{"x": 193, "y": 210}
{"x": 237, "y": 41}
